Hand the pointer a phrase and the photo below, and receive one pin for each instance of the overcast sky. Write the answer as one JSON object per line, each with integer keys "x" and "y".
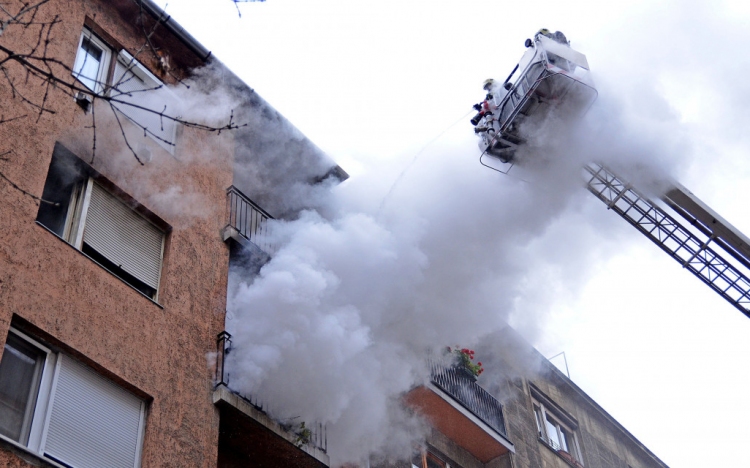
{"x": 373, "y": 82}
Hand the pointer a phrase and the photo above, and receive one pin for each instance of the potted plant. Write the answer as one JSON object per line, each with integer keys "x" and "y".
{"x": 464, "y": 362}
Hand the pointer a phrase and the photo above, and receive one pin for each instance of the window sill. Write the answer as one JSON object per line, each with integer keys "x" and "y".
{"x": 98, "y": 264}
{"x": 26, "y": 454}
{"x": 570, "y": 461}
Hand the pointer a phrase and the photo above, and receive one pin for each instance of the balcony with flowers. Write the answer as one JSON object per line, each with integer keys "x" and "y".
{"x": 457, "y": 406}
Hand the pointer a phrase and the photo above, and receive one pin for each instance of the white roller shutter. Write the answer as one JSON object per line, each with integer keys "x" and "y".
{"x": 131, "y": 77}
{"x": 93, "y": 423}
{"x": 123, "y": 236}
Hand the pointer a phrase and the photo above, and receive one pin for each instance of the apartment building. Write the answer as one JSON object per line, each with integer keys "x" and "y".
{"x": 120, "y": 226}
{"x": 113, "y": 269}
{"x": 521, "y": 413}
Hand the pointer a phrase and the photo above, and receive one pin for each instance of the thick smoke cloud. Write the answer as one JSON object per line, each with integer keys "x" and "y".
{"x": 672, "y": 101}
{"x": 112, "y": 141}
{"x": 271, "y": 161}
{"x": 373, "y": 275}
{"x": 338, "y": 324}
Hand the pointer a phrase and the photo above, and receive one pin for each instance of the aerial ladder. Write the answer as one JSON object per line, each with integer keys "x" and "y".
{"x": 551, "y": 76}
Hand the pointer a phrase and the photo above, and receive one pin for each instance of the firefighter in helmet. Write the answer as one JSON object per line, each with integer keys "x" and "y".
{"x": 557, "y": 36}
{"x": 488, "y": 84}
{"x": 487, "y": 106}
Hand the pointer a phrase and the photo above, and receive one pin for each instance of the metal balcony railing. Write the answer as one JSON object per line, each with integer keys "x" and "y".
{"x": 305, "y": 434}
{"x": 248, "y": 219}
{"x": 461, "y": 387}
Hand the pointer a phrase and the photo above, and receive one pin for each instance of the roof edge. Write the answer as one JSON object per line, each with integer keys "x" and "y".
{"x": 174, "y": 27}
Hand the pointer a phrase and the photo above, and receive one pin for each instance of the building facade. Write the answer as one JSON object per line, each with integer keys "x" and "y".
{"x": 113, "y": 269}
{"x": 124, "y": 209}
{"x": 522, "y": 412}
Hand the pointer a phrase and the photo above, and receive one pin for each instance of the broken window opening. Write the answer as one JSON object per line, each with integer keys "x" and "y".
{"x": 101, "y": 225}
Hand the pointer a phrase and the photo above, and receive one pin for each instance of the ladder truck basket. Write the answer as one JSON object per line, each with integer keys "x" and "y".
{"x": 550, "y": 77}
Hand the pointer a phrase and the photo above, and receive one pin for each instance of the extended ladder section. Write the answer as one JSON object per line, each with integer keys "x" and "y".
{"x": 685, "y": 245}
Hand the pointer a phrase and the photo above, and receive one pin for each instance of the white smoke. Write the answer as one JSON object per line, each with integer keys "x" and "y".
{"x": 338, "y": 324}
{"x": 487, "y": 247}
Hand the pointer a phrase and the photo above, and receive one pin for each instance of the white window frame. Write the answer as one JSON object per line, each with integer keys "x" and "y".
{"x": 75, "y": 224}
{"x": 151, "y": 81}
{"x": 45, "y": 394}
{"x": 75, "y": 220}
{"x": 133, "y": 65}
{"x": 542, "y": 414}
{"x": 104, "y": 64}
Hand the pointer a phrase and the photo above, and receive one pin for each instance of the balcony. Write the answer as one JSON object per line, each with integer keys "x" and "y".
{"x": 463, "y": 411}
{"x": 247, "y": 223}
{"x": 248, "y": 436}
{"x": 470, "y": 395}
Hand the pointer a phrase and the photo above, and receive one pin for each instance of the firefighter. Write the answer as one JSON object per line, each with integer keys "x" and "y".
{"x": 488, "y": 84}
{"x": 486, "y": 107}
{"x": 557, "y": 36}
{"x": 560, "y": 37}
{"x": 544, "y": 32}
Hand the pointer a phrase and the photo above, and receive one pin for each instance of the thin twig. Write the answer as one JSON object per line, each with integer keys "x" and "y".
{"x": 4, "y": 120}
{"x": 34, "y": 197}
{"x": 124, "y": 136}
{"x": 40, "y": 70}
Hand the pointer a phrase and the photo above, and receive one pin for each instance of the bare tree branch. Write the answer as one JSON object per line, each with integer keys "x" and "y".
{"x": 125, "y": 137}
{"x": 237, "y": 5}
{"x": 4, "y": 120}
{"x": 33, "y": 75}
{"x": 17, "y": 18}
{"x": 15, "y": 186}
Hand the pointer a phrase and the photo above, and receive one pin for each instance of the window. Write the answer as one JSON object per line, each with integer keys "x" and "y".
{"x": 20, "y": 372}
{"x": 100, "y": 224}
{"x": 133, "y": 83}
{"x": 62, "y": 410}
{"x": 92, "y": 62}
{"x": 554, "y": 432}
{"x": 427, "y": 459}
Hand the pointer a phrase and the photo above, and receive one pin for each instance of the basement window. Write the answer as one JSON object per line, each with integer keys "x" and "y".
{"x": 92, "y": 62}
{"x": 62, "y": 410}
{"x": 92, "y": 216}
{"x": 556, "y": 430}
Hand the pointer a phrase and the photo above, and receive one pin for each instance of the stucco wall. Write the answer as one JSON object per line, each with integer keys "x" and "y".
{"x": 160, "y": 351}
